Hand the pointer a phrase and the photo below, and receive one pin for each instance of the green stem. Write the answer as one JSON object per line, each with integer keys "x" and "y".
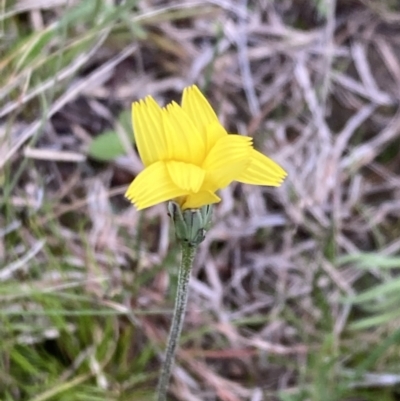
{"x": 188, "y": 253}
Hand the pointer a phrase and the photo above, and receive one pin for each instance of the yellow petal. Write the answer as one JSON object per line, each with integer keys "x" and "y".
{"x": 197, "y": 107}
{"x": 183, "y": 139}
{"x": 185, "y": 176}
{"x": 222, "y": 177}
{"x": 226, "y": 161}
{"x": 202, "y": 114}
{"x": 214, "y": 132}
{"x": 228, "y": 149}
{"x": 153, "y": 185}
{"x": 262, "y": 171}
{"x": 194, "y": 201}
{"x": 148, "y": 130}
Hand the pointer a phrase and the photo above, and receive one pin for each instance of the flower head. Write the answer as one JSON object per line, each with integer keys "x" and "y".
{"x": 188, "y": 155}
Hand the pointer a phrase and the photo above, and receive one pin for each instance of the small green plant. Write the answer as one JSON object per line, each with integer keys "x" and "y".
{"x": 108, "y": 145}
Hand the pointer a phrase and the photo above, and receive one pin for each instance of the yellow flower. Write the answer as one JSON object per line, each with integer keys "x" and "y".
{"x": 188, "y": 155}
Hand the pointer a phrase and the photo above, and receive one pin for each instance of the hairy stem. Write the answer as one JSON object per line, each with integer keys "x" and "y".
{"x": 188, "y": 253}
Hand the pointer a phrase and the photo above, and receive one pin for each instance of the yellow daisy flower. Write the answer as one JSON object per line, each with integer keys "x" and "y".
{"x": 188, "y": 155}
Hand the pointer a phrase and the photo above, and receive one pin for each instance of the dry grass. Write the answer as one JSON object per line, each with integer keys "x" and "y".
{"x": 84, "y": 278}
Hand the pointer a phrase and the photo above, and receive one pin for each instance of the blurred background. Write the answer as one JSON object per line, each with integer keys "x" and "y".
{"x": 295, "y": 293}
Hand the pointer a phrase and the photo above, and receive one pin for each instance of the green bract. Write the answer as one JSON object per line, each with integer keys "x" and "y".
{"x": 191, "y": 225}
